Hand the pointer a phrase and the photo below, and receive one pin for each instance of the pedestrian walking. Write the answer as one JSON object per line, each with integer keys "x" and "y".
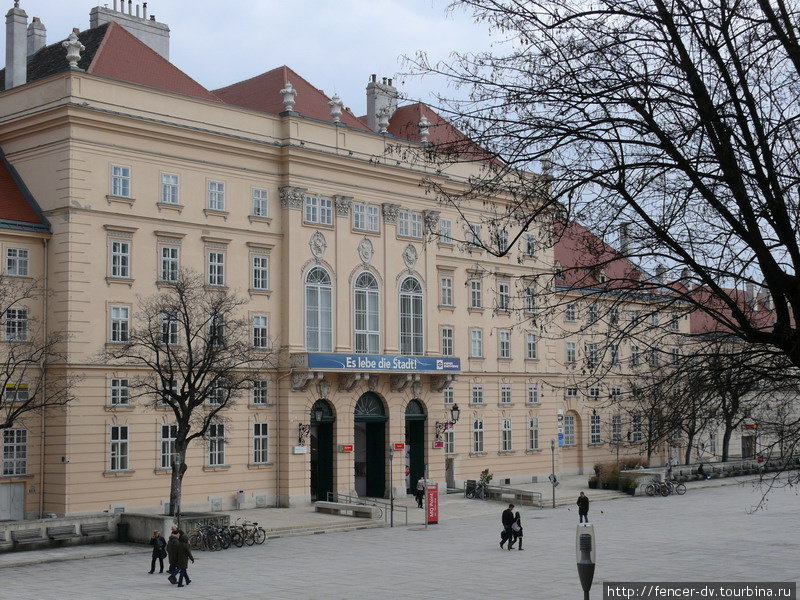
{"x": 583, "y": 508}
{"x": 669, "y": 471}
{"x": 516, "y": 528}
{"x": 159, "y": 545}
{"x": 508, "y": 534}
{"x": 183, "y": 554}
{"x": 419, "y": 493}
{"x": 172, "y": 546}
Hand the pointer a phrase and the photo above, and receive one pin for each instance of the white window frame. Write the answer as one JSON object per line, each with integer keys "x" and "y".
{"x": 571, "y": 312}
{"x": 17, "y": 262}
{"x": 613, "y": 350}
{"x": 637, "y": 435}
{"x": 570, "y": 355}
{"x": 170, "y": 263}
{"x": 502, "y": 240}
{"x": 16, "y": 392}
{"x": 613, "y": 316}
{"x": 169, "y": 328}
{"x": 592, "y": 314}
{"x": 506, "y": 396}
{"x": 366, "y": 314}
{"x": 446, "y": 232}
{"x": 654, "y": 319}
{"x": 259, "y": 265}
{"x": 170, "y": 188}
{"x": 120, "y": 259}
{"x": 476, "y": 394}
{"x": 447, "y": 345}
{"x": 169, "y": 434}
{"x": 120, "y": 181}
{"x": 616, "y": 429}
{"x": 118, "y": 451}
{"x": 216, "y": 195}
{"x": 259, "y": 204}
{"x": 476, "y": 343}
{"x": 216, "y": 445}
{"x": 216, "y": 394}
{"x": 506, "y": 435}
{"x": 448, "y": 396}
{"x": 15, "y": 452}
{"x": 317, "y": 209}
{"x": 504, "y": 344}
{"x": 17, "y": 324}
{"x": 675, "y": 324}
{"x": 260, "y": 443}
{"x": 533, "y": 393}
{"x": 475, "y": 294}
{"x": 592, "y": 354}
{"x": 477, "y": 436}
{"x": 635, "y": 356}
{"x": 412, "y": 317}
{"x": 120, "y": 391}
{"x": 474, "y": 235}
{"x": 260, "y": 395}
{"x": 120, "y": 323}
{"x": 503, "y": 296}
{"x": 366, "y": 217}
{"x": 533, "y": 433}
{"x": 530, "y": 245}
{"x": 594, "y": 429}
{"x": 409, "y": 224}
{"x": 531, "y": 346}
{"x": 569, "y": 430}
{"x": 594, "y": 392}
{"x": 571, "y": 392}
{"x": 318, "y": 299}
{"x": 260, "y": 332}
{"x": 449, "y": 441}
{"x": 215, "y": 260}
{"x": 530, "y": 300}
{"x": 446, "y": 290}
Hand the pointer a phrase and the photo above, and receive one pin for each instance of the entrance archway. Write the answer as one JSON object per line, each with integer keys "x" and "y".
{"x": 321, "y": 450}
{"x": 370, "y": 446}
{"x": 415, "y": 443}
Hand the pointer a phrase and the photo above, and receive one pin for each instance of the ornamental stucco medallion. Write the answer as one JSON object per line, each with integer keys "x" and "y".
{"x": 410, "y": 256}
{"x": 318, "y": 244}
{"x": 365, "y": 250}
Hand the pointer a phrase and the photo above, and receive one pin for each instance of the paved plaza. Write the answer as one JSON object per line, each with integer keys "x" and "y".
{"x": 710, "y": 534}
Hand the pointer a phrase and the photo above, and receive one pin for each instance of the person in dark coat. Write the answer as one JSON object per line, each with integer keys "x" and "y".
{"x": 159, "y": 545}
{"x": 183, "y": 554}
{"x": 516, "y": 528}
{"x": 172, "y": 546}
{"x": 508, "y": 533}
{"x": 583, "y": 508}
{"x": 419, "y": 493}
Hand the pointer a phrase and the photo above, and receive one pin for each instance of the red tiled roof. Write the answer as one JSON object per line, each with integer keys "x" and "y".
{"x": 262, "y": 93}
{"x": 123, "y": 56}
{"x": 13, "y": 205}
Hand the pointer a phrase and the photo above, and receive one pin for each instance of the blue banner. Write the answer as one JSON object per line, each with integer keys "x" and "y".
{"x": 377, "y": 362}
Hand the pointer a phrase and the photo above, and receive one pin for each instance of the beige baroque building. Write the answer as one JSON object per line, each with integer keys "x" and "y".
{"x": 271, "y": 189}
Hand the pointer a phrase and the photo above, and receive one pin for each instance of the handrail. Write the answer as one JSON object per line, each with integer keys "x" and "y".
{"x": 384, "y": 506}
{"x": 496, "y": 492}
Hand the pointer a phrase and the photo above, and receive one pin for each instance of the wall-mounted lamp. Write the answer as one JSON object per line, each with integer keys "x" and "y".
{"x": 441, "y": 426}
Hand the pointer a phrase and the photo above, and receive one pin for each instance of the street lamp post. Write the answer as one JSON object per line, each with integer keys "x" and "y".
{"x": 585, "y": 553}
{"x": 391, "y": 487}
{"x": 553, "y": 461}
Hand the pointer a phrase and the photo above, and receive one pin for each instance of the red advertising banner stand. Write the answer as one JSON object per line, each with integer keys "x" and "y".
{"x": 433, "y": 503}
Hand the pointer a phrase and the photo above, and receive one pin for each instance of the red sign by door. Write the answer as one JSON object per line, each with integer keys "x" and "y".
{"x": 433, "y": 503}
{"x": 399, "y": 446}
{"x": 345, "y": 447}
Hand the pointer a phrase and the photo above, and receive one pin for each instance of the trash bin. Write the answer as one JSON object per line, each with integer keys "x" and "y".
{"x": 123, "y": 530}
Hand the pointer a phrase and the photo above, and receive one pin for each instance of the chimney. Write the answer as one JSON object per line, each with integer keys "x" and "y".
{"x": 139, "y": 23}
{"x": 16, "y": 47}
{"x": 750, "y": 294}
{"x": 624, "y": 237}
{"x": 37, "y": 36}
{"x": 766, "y": 297}
{"x": 381, "y": 100}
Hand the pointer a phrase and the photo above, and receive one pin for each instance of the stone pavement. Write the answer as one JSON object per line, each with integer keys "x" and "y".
{"x": 707, "y": 535}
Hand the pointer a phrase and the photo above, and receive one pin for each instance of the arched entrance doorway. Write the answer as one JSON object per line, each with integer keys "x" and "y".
{"x": 415, "y": 443}
{"x": 322, "y": 420}
{"x": 370, "y": 446}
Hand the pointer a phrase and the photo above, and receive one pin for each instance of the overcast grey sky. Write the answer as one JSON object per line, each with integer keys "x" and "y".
{"x": 335, "y": 45}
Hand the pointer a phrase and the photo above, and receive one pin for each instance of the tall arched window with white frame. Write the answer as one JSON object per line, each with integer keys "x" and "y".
{"x": 411, "y": 317}
{"x": 319, "y": 311}
{"x": 366, "y": 315}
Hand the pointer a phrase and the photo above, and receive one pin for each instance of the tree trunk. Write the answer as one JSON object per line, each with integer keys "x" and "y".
{"x": 726, "y": 440}
{"x": 689, "y": 444}
{"x": 178, "y": 470}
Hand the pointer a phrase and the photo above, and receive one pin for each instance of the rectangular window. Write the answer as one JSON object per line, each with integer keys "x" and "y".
{"x": 17, "y": 262}
{"x": 616, "y": 393}
{"x": 476, "y": 343}
{"x": 120, "y": 181}
{"x": 477, "y": 435}
{"x": 533, "y": 393}
{"x": 168, "y": 435}
{"x": 445, "y": 231}
{"x": 261, "y": 392}
{"x": 613, "y": 350}
{"x": 674, "y": 322}
{"x": 593, "y": 354}
{"x": 260, "y": 272}
{"x": 675, "y": 353}
{"x": 530, "y": 300}
{"x": 318, "y": 209}
{"x": 216, "y": 444}
{"x": 569, "y": 430}
{"x": 409, "y": 224}
{"x": 448, "y": 396}
{"x": 216, "y": 268}
{"x": 170, "y": 263}
{"x": 120, "y": 324}
{"x": 570, "y": 353}
{"x": 260, "y": 443}
{"x": 654, "y": 359}
{"x": 594, "y": 392}
{"x": 16, "y": 392}
{"x": 594, "y": 429}
{"x": 614, "y": 316}
{"x": 365, "y": 217}
{"x": 634, "y": 314}
{"x": 17, "y": 324}
{"x": 169, "y": 188}
{"x": 447, "y": 341}
{"x": 505, "y": 393}
{"x": 616, "y": 429}
{"x": 571, "y": 392}
{"x": 120, "y": 392}
{"x": 167, "y": 392}
{"x": 216, "y": 329}
{"x": 592, "y": 314}
{"x": 531, "y": 350}
{"x": 636, "y": 427}
{"x": 475, "y": 293}
{"x": 15, "y": 452}
{"x": 477, "y": 393}
{"x": 502, "y": 240}
{"x": 118, "y": 454}
{"x": 505, "y": 435}
{"x": 533, "y": 433}
{"x": 169, "y": 328}
{"x": 216, "y": 195}
{"x": 260, "y": 206}
{"x": 654, "y": 320}
{"x": 260, "y": 331}
{"x": 217, "y": 394}
{"x": 120, "y": 259}
{"x": 530, "y": 245}
{"x": 504, "y": 296}
{"x": 446, "y": 290}
{"x": 571, "y": 313}
{"x": 474, "y": 235}
{"x": 635, "y": 356}
{"x": 712, "y": 444}
{"x": 449, "y": 441}
{"x": 504, "y": 344}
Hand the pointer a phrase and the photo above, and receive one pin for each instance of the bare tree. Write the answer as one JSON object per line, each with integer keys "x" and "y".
{"x": 672, "y": 122}
{"x": 25, "y": 354}
{"x": 194, "y": 355}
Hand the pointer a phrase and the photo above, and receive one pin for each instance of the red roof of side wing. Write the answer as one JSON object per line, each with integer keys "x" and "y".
{"x": 17, "y": 207}
{"x": 263, "y": 93}
{"x": 123, "y": 56}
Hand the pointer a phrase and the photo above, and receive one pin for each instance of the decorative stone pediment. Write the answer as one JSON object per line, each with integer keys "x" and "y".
{"x": 292, "y": 196}
{"x": 390, "y": 212}
{"x": 343, "y": 204}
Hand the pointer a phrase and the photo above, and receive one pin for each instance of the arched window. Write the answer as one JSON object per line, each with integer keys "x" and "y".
{"x": 411, "y": 317}
{"x": 366, "y": 315}
{"x": 319, "y": 313}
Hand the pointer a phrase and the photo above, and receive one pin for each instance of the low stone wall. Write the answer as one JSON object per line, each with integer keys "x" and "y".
{"x": 7, "y": 545}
